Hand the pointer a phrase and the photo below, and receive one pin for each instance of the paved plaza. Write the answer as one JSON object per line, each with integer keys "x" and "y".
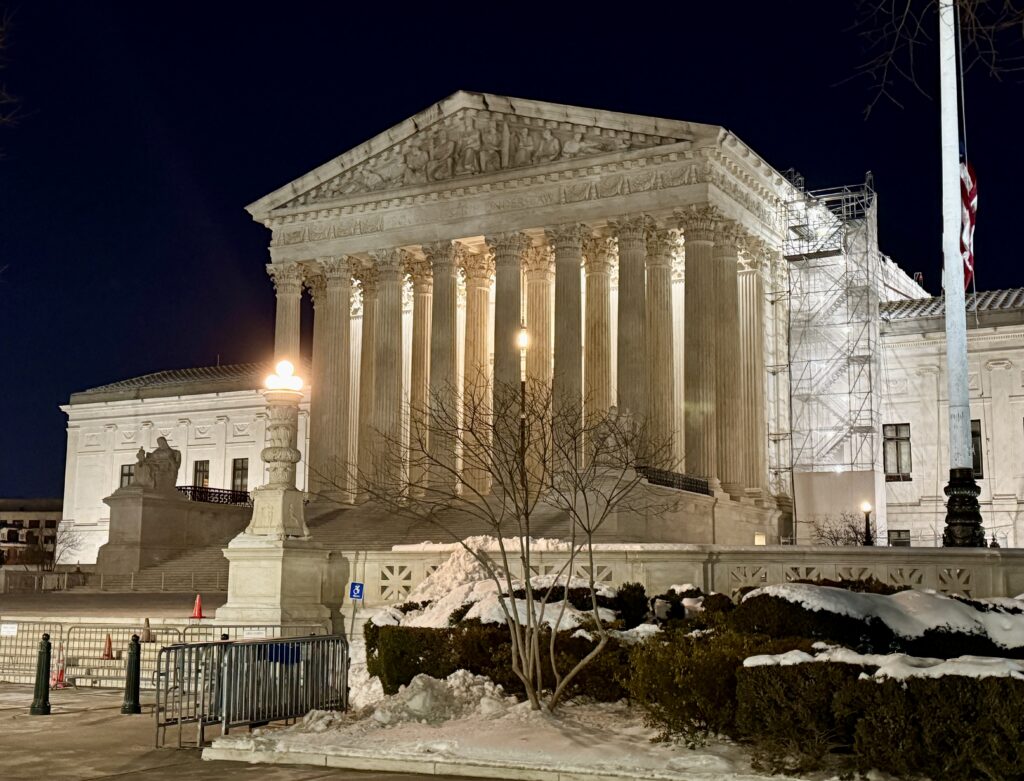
{"x": 86, "y": 737}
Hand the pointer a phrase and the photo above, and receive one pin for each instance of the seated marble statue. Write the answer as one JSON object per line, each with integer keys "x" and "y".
{"x": 159, "y": 469}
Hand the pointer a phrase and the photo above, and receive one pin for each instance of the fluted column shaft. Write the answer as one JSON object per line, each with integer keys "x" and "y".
{"x": 317, "y": 285}
{"x": 728, "y": 392}
{"x": 419, "y": 382}
{"x": 631, "y": 372}
{"x": 508, "y": 250}
{"x": 597, "y": 365}
{"x": 755, "y": 465}
{"x": 367, "y": 355}
{"x": 387, "y": 359}
{"x": 443, "y": 400}
{"x": 567, "y": 383}
{"x": 540, "y": 276}
{"x": 287, "y": 278}
{"x": 702, "y": 321}
{"x": 477, "y": 365}
{"x": 661, "y": 247}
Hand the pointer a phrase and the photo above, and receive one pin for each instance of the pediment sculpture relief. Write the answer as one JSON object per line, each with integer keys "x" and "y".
{"x": 471, "y": 143}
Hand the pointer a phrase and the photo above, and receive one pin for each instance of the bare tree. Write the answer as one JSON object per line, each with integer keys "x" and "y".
{"x": 502, "y": 464}
{"x": 47, "y": 551}
{"x": 896, "y": 34}
{"x": 847, "y": 528}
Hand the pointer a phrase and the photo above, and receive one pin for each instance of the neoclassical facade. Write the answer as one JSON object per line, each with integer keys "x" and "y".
{"x": 536, "y": 207}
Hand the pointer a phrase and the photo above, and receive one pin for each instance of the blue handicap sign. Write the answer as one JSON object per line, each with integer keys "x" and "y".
{"x": 355, "y": 590}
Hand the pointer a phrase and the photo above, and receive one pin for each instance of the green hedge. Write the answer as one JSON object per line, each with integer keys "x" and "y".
{"x": 687, "y": 683}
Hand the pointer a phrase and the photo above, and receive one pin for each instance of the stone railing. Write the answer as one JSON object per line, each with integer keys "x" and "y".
{"x": 390, "y": 576}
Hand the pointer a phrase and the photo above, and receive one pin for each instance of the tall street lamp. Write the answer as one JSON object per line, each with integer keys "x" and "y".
{"x": 868, "y": 538}
{"x": 523, "y": 341}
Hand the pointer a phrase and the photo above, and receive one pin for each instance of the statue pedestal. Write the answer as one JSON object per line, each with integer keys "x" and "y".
{"x": 277, "y": 513}
{"x": 275, "y": 581}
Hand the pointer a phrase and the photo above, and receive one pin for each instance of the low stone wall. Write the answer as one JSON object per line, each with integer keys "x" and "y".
{"x": 147, "y": 528}
{"x": 389, "y": 576}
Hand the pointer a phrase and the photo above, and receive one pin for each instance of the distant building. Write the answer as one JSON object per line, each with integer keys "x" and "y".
{"x": 28, "y": 529}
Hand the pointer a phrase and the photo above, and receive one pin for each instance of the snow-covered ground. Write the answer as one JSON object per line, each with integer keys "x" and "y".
{"x": 468, "y": 720}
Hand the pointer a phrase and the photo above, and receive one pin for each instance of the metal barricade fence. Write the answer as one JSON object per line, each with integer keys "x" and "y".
{"x": 84, "y": 646}
{"x": 19, "y": 645}
{"x": 248, "y": 682}
{"x": 209, "y": 634}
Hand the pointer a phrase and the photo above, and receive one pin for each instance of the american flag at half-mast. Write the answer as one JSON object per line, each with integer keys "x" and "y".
{"x": 969, "y": 215}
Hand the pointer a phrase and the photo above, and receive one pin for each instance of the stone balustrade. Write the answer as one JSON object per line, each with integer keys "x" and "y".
{"x": 390, "y": 576}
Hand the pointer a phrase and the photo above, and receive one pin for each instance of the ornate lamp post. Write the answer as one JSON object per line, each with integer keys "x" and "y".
{"x": 868, "y": 537}
{"x": 523, "y": 341}
{"x": 277, "y": 506}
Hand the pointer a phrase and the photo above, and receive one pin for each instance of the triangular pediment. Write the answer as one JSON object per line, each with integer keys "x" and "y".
{"x": 472, "y": 136}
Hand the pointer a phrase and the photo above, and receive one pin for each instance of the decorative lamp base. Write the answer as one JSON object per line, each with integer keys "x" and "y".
{"x": 963, "y": 515}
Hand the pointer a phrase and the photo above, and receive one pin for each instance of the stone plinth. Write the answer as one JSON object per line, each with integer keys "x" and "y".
{"x": 275, "y": 581}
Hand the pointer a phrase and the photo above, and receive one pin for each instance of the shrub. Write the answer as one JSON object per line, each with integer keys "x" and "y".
{"x": 868, "y": 585}
{"x": 631, "y": 601}
{"x": 953, "y": 728}
{"x": 403, "y": 652}
{"x": 687, "y": 684}
{"x": 777, "y": 617}
{"x": 787, "y": 713}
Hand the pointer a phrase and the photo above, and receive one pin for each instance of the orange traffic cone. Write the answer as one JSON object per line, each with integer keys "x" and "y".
{"x": 197, "y": 611}
{"x": 57, "y": 681}
{"x": 108, "y": 648}
{"x": 147, "y": 633}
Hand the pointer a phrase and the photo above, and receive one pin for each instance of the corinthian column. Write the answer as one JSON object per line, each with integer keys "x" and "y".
{"x": 702, "y": 321}
{"x": 317, "y": 286}
{"x": 729, "y": 421}
{"x": 419, "y": 382}
{"x": 387, "y": 365}
{"x": 287, "y": 279}
{"x": 368, "y": 282}
{"x": 477, "y": 366}
{"x": 599, "y": 254}
{"x": 539, "y": 266}
{"x": 752, "y": 352}
{"x": 508, "y": 249}
{"x": 631, "y": 372}
{"x": 567, "y": 384}
{"x": 444, "y": 396}
{"x": 661, "y": 248}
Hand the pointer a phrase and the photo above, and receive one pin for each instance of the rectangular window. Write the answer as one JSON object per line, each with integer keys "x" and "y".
{"x": 896, "y": 451}
{"x": 899, "y": 538}
{"x": 201, "y": 474}
{"x": 127, "y": 473}
{"x": 979, "y": 471}
{"x": 240, "y": 474}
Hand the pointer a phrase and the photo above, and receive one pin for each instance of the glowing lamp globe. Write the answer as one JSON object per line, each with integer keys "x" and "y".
{"x": 285, "y": 378}
{"x": 523, "y": 339}
{"x": 866, "y": 507}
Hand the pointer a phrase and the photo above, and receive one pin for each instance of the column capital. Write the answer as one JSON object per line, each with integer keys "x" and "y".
{"x": 336, "y": 269}
{"x": 367, "y": 277}
{"x": 539, "y": 261}
{"x": 728, "y": 237}
{"x": 388, "y": 262}
{"x": 440, "y": 255}
{"x": 600, "y": 253}
{"x": 569, "y": 236}
{"x": 698, "y": 223}
{"x": 478, "y": 265}
{"x": 630, "y": 228}
{"x": 315, "y": 282}
{"x": 662, "y": 245}
{"x": 419, "y": 269}
{"x": 508, "y": 245}
{"x": 287, "y": 277}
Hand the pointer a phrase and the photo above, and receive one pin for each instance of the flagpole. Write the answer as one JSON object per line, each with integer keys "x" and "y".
{"x": 963, "y": 517}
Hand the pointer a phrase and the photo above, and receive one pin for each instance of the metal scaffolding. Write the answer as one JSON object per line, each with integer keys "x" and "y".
{"x": 832, "y": 256}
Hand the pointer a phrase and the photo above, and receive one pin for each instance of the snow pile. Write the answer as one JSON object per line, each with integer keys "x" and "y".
{"x": 899, "y": 666}
{"x": 485, "y": 542}
{"x": 363, "y": 688}
{"x": 430, "y": 701}
{"x": 911, "y": 613}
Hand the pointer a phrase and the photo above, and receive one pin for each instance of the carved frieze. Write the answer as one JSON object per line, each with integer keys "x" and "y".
{"x": 469, "y": 143}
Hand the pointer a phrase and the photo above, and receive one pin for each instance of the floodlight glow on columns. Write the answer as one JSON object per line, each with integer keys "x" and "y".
{"x": 285, "y": 378}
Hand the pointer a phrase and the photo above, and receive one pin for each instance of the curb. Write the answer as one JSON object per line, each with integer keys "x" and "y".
{"x": 353, "y": 759}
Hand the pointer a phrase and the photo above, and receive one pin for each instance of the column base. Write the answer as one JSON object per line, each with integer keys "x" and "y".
{"x": 275, "y": 581}
{"x": 963, "y": 514}
{"x": 735, "y": 490}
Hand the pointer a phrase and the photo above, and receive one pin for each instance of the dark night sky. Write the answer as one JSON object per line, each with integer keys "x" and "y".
{"x": 147, "y": 127}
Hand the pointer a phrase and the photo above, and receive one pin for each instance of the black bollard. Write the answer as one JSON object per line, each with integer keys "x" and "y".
{"x": 41, "y": 700}
{"x": 133, "y": 672}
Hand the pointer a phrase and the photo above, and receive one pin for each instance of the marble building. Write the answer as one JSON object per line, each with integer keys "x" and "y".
{"x": 645, "y": 256}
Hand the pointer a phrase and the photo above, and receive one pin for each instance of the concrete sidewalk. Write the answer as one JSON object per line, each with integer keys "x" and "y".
{"x": 88, "y": 738}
